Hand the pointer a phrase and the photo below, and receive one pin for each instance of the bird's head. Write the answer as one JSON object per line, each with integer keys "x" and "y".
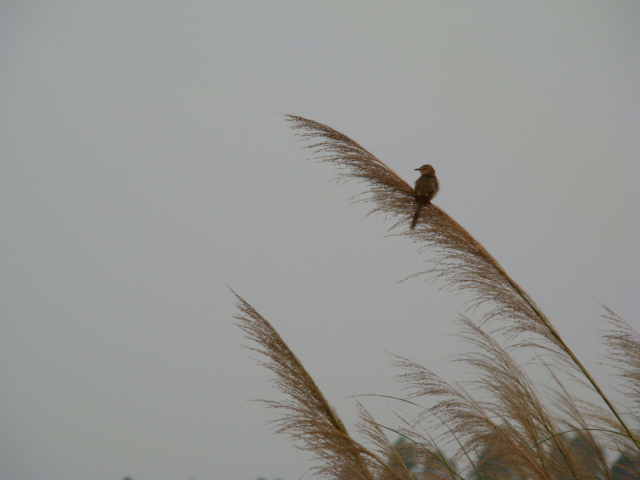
{"x": 426, "y": 170}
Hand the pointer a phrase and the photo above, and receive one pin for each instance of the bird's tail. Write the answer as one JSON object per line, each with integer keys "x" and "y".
{"x": 421, "y": 202}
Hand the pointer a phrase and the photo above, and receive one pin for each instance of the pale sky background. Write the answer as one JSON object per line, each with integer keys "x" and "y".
{"x": 145, "y": 165}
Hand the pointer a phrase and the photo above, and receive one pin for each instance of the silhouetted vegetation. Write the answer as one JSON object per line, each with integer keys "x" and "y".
{"x": 504, "y": 425}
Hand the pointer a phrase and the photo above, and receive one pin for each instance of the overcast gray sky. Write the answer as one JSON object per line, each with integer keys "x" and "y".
{"x": 145, "y": 165}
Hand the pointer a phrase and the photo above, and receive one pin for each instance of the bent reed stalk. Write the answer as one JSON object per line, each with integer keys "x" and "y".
{"x": 462, "y": 262}
{"x": 306, "y": 416}
{"x": 510, "y": 425}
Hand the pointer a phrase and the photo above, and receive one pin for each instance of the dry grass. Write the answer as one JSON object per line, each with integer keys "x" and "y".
{"x": 306, "y": 416}
{"x": 504, "y": 425}
{"x": 624, "y": 353}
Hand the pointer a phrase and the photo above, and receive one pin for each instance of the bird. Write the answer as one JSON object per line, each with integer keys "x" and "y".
{"x": 426, "y": 188}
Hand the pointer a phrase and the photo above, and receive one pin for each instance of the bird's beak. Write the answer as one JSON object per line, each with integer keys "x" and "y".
{"x": 416, "y": 169}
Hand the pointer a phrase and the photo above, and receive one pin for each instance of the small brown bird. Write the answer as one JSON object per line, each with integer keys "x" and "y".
{"x": 426, "y": 189}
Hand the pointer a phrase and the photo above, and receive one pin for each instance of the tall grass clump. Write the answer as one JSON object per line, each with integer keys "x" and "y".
{"x": 503, "y": 424}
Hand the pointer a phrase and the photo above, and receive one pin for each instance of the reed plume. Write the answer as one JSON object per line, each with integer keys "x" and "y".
{"x": 306, "y": 416}
{"x": 623, "y": 344}
{"x": 501, "y": 420}
{"x": 501, "y": 424}
{"x": 624, "y": 350}
{"x": 459, "y": 260}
